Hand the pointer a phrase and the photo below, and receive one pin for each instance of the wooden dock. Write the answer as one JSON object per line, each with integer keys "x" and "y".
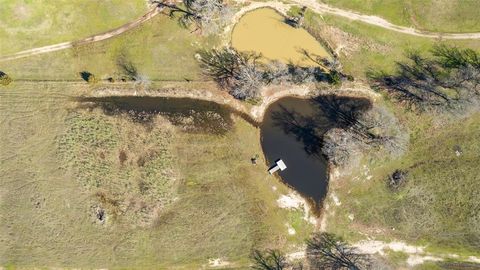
{"x": 279, "y": 165}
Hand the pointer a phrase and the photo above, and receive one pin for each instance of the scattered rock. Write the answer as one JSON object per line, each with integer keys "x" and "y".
{"x": 99, "y": 214}
{"x": 458, "y": 150}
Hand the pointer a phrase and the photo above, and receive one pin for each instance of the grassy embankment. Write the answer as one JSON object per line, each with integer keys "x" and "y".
{"x": 438, "y": 206}
{"x": 441, "y": 16}
{"x": 29, "y": 24}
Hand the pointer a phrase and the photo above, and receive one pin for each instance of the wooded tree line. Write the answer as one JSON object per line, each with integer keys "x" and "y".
{"x": 449, "y": 79}
{"x": 242, "y": 74}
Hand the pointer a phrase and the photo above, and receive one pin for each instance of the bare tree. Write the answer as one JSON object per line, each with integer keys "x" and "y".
{"x": 237, "y": 72}
{"x": 269, "y": 260}
{"x": 205, "y": 15}
{"x": 326, "y": 251}
{"x": 449, "y": 81}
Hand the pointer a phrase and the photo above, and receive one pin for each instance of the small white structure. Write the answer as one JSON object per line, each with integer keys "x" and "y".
{"x": 279, "y": 165}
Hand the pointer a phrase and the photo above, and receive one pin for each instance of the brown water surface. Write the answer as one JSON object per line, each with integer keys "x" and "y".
{"x": 264, "y": 31}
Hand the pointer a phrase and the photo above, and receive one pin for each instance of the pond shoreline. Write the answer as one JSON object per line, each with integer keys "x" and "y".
{"x": 254, "y": 114}
{"x": 209, "y": 91}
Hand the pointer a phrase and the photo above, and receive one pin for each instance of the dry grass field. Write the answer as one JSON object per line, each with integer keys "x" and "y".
{"x": 80, "y": 188}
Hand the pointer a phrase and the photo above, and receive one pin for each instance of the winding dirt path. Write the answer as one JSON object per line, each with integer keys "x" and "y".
{"x": 312, "y": 4}
{"x": 380, "y": 22}
{"x": 99, "y": 37}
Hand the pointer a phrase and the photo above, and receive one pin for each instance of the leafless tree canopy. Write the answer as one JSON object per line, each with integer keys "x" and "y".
{"x": 326, "y": 251}
{"x": 448, "y": 80}
{"x": 205, "y": 15}
{"x": 242, "y": 74}
{"x": 237, "y": 72}
{"x": 269, "y": 260}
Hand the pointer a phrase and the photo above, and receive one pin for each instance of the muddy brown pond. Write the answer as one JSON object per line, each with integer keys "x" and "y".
{"x": 292, "y": 129}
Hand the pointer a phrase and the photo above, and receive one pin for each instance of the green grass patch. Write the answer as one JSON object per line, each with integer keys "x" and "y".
{"x": 159, "y": 50}
{"x": 369, "y": 47}
{"x": 438, "y": 206}
{"x": 28, "y": 24}
{"x": 440, "y": 15}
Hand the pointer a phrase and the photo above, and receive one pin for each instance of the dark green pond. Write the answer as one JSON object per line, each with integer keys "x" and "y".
{"x": 293, "y": 129}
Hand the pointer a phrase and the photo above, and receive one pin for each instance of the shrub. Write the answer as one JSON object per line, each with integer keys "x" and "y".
{"x": 88, "y": 77}
{"x": 4, "y": 79}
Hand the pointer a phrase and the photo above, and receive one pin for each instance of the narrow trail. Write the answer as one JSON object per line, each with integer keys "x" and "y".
{"x": 312, "y": 4}
{"x": 91, "y": 39}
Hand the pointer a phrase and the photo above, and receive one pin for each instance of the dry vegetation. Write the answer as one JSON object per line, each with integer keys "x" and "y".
{"x": 83, "y": 189}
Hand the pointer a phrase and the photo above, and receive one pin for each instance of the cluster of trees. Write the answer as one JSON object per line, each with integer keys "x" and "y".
{"x": 373, "y": 128}
{"x": 4, "y": 79}
{"x": 207, "y": 16}
{"x": 448, "y": 80}
{"x": 324, "y": 251}
{"x": 243, "y": 75}
{"x": 88, "y": 77}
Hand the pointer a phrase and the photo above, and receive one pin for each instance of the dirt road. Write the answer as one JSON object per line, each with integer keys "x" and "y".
{"x": 312, "y": 4}
{"x": 99, "y": 37}
{"x": 377, "y": 21}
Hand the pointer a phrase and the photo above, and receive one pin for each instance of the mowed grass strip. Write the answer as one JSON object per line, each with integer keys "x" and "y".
{"x": 29, "y": 24}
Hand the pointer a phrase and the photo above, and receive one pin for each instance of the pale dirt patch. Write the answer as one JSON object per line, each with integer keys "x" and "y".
{"x": 416, "y": 259}
{"x": 294, "y": 201}
{"x": 335, "y": 199}
{"x": 21, "y": 11}
{"x": 291, "y": 200}
{"x": 417, "y": 254}
{"x": 474, "y": 259}
{"x": 373, "y": 246}
{"x": 290, "y": 229}
{"x": 297, "y": 255}
{"x": 218, "y": 262}
{"x": 274, "y": 93}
